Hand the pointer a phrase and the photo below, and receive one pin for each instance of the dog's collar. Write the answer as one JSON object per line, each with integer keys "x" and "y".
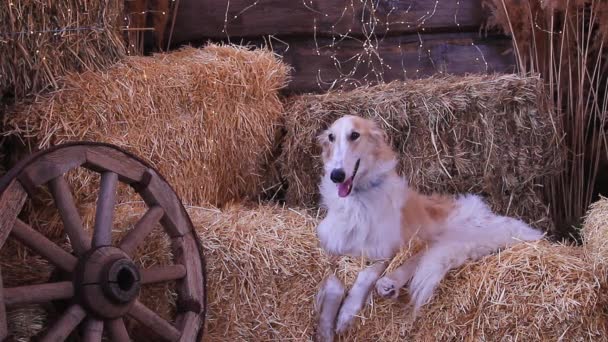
{"x": 375, "y": 183}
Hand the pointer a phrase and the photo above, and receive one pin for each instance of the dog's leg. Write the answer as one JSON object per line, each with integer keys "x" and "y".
{"x": 389, "y": 285}
{"x": 328, "y": 302}
{"x": 357, "y": 295}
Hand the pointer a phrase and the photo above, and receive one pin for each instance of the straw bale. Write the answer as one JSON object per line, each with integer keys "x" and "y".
{"x": 41, "y": 41}
{"x": 478, "y": 133}
{"x": 264, "y": 268}
{"x": 595, "y": 235}
{"x": 206, "y": 118}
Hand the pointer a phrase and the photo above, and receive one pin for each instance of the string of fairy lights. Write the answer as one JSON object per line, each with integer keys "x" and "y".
{"x": 372, "y": 30}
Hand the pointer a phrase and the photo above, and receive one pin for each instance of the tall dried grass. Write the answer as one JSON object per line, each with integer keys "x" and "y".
{"x": 566, "y": 42}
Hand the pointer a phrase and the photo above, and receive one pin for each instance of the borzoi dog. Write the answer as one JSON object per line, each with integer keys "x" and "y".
{"x": 373, "y": 213}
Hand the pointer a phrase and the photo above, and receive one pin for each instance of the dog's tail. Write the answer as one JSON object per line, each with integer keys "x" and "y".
{"x": 453, "y": 251}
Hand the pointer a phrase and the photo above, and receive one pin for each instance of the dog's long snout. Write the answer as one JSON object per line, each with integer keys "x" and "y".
{"x": 337, "y": 175}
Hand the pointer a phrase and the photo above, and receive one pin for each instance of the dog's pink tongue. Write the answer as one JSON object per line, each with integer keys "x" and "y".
{"x": 344, "y": 188}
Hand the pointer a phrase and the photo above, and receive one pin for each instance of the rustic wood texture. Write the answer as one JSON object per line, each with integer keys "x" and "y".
{"x": 93, "y": 330}
{"x": 38, "y": 294}
{"x": 61, "y": 329}
{"x": 104, "y": 213}
{"x": 188, "y": 324}
{"x": 72, "y": 223}
{"x": 159, "y": 274}
{"x": 117, "y": 330}
{"x": 11, "y": 202}
{"x": 158, "y": 192}
{"x": 52, "y": 165}
{"x": 103, "y": 159}
{"x": 201, "y": 19}
{"x": 154, "y": 322}
{"x": 3, "y": 321}
{"x": 142, "y": 228}
{"x": 43, "y": 246}
{"x": 191, "y": 287}
{"x": 319, "y": 66}
{"x": 89, "y": 276}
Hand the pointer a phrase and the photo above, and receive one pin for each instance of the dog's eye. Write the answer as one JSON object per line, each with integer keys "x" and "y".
{"x": 354, "y": 136}
{"x": 330, "y": 137}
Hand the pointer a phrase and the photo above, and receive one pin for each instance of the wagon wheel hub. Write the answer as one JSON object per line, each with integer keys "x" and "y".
{"x": 106, "y": 282}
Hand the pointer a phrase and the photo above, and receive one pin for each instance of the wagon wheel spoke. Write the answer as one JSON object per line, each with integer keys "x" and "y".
{"x": 102, "y": 235}
{"x": 93, "y": 330}
{"x": 62, "y": 328}
{"x": 43, "y": 246}
{"x": 38, "y": 294}
{"x": 159, "y": 274}
{"x": 151, "y": 320}
{"x": 142, "y": 228}
{"x": 117, "y": 330}
{"x": 72, "y": 223}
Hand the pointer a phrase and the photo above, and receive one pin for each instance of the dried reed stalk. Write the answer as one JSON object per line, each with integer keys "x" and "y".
{"x": 565, "y": 41}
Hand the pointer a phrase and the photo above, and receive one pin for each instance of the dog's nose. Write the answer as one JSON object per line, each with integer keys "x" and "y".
{"x": 337, "y": 175}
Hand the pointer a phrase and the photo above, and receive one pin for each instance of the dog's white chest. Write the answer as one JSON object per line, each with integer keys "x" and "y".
{"x": 369, "y": 228}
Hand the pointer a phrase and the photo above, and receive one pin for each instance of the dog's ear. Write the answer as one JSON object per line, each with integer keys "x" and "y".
{"x": 323, "y": 138}
{"x": 378, "y": 135}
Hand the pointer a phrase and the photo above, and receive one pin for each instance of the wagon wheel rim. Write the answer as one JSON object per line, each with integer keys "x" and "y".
{"x": 104, "y": 281}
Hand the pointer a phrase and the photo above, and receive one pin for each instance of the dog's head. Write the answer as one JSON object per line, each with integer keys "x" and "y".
{"x": 355, "y": 150}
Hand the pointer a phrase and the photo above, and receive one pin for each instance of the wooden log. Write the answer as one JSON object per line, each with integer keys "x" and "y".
{"x": 318, "y": 66}
{"x": 142, "y": 228}
{"x": 161, "y": 274}
{"x": 38, "y": 294}
{"x": 154, "y": 322}
{"x": 201, "y": 19}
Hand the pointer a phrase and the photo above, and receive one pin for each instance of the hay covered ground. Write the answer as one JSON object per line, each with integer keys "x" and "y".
{"x": 480, "y": 133}
{"x": 205, "y": 118}
{"x": 42, "y": 41}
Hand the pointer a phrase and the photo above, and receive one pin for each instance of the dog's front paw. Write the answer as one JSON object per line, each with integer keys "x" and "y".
{"x": 345, "y": 320}
{"x": 387, "y": 288}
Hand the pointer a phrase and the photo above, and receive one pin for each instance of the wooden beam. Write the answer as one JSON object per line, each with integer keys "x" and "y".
{"x": 201, "y": 19}
{"x": 316, "y": 66}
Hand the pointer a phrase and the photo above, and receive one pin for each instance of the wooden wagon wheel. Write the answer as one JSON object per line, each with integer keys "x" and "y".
{"x": 103, "y": 281}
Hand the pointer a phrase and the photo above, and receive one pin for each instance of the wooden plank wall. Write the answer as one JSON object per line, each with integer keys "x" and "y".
{"x": 342, "y": 43}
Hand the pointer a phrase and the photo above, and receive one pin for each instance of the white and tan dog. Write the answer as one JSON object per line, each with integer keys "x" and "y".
{"x": 371, "y": 212}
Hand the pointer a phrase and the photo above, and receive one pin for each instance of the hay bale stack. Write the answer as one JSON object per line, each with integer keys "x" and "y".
{"x": 41, "y": 41}
{"x": 264, "y": 268}
{"x": 206, "y": 118}
{"x": 483, "y": 134}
